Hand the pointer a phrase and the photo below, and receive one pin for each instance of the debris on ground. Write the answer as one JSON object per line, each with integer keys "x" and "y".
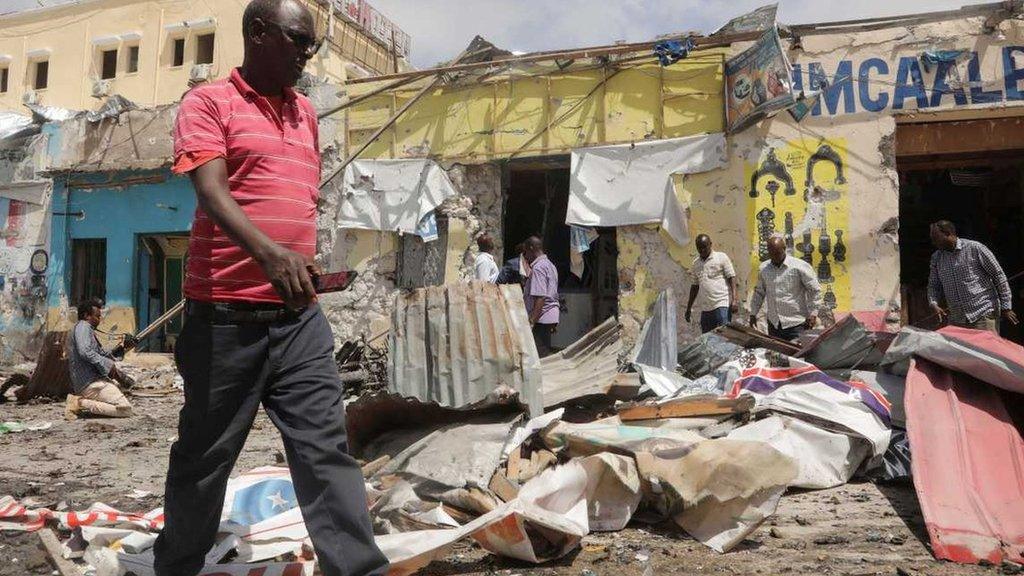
{"x": 711, "y": 448}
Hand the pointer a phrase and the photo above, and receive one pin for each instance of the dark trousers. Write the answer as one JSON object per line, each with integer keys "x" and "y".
{"x": 711, "y": 319}
{"x": 791, "y": 333}
{"x": 542, "y": 337}
{"x": 287, "y": 366}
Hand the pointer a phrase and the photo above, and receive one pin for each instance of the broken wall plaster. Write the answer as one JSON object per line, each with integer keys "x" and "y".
{"x": 367, "y": 304}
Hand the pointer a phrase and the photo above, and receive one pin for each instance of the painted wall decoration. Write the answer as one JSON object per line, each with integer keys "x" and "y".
{"x": 798, "y": 189}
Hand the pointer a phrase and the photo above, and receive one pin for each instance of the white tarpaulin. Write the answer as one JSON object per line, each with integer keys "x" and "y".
{"x": 632, "y": 184}
{"x": 391, "y": 195}
{"x": 825, "y": 459}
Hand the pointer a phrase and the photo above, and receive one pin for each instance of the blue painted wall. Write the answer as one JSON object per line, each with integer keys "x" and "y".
{"x": 117, "y": 206}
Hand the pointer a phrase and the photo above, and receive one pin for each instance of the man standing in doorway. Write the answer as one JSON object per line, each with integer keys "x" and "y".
{"x": 484, "y": 267}
{"x": 790, "y": 289}
{"x": 92, "y": 369}
{"x": 253, "y": 331}
{"x": 714, "y": 279}
{"x": 968, "y": 277}
{"x": 541, "y": 294}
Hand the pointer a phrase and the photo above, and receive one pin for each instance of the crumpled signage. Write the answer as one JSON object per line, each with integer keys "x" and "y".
{"x": 758, "y": 82}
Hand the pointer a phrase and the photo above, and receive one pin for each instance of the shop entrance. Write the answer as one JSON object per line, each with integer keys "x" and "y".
{"x": 970, "y": 172}
{"x": 536, "y": 196}
{"x": 160, "y": 282}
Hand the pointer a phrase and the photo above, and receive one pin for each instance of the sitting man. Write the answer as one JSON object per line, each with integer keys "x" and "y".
{"x": 92, "y": 369}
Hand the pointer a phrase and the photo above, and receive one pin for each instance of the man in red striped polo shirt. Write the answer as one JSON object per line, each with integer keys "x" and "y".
{"x": 253, "y": 332}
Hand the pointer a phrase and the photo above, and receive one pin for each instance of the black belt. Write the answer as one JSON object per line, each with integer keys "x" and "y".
{"x": 239, "y": 313}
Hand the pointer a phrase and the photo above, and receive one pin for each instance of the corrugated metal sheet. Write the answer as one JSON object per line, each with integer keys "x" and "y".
{"x": 455, "y": 344}
{"x": 968, "y": 465}
{"x": 588, "y": 366}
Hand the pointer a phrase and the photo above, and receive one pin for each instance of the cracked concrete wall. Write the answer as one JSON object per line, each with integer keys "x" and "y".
{"x": 857, "y": 120}
{"x": 365, "y": 308}
{"x": 25, "y": 228}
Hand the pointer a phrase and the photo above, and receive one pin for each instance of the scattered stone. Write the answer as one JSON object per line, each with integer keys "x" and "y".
{"x": 802, "y": 521}
{"x": 97, "y": 427}
{"x": 831, "y": 539}
{"x": 587, "y": 572}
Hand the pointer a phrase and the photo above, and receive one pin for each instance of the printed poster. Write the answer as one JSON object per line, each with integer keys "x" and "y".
{"x": 757, "y": 82}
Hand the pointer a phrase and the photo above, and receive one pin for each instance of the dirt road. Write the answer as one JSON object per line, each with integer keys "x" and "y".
{"x": 857, "y": 529}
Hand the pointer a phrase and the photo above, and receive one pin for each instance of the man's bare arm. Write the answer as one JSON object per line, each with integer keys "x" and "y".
{"x": 285, "y": 268}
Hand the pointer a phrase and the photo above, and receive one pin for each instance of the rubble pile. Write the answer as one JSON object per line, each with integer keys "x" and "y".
{"x": 709, "y": 447}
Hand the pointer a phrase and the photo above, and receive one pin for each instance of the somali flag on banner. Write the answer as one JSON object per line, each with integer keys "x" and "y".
{"x": 262, "y": 501}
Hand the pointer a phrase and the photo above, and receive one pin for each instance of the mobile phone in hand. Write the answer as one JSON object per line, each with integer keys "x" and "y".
{"x": 333, "y": 282}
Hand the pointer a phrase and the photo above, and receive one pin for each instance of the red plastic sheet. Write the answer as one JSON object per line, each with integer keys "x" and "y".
{"x": 968, "y": 464}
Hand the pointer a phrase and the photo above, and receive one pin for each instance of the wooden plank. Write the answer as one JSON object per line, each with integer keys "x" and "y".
{"x": 514, "y": 465}
{"x": 53, "y": 549}
{"x": 377, "y": 465}
{"x": 503, "y": 488}
{"x": 692, "y": 406}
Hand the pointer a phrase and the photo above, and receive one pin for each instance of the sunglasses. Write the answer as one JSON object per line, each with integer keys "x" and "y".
{"x": 303, "y": 42}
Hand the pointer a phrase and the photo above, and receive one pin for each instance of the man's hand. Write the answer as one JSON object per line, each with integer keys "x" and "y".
{"x": 734, "y": 308}
{"x": 753, "y": 321}
{"x": 130, "y": 342}
{"x": 940, "y": 313}
{"x": 289, "y": 275}
{"x": 811, "y": 322}
{"x": 687, "y": 315}
{"x": 1011, "y": 317}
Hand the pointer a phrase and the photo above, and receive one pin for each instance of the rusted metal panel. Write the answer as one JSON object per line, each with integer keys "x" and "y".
{"x": 588, "y": 366}
{"x": 455, "y": 344}
{"x": 968, "y": 465}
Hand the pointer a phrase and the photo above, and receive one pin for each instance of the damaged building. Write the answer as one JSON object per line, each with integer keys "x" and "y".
{"x": 900, "y": 119}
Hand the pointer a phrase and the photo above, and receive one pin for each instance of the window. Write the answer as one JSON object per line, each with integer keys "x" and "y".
{"x": 204, "y": 49}
{"x": 109, "y": 69}
{"x": 178, "y": 58}
{"x": 4, "y": 74}
{"x": 88, "y": 269}
{"x": 42, "y": 75}
{"x": 133, "y": 59}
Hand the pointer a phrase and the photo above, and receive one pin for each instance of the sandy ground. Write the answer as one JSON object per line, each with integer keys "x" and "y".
{"x": 857, "y": 529}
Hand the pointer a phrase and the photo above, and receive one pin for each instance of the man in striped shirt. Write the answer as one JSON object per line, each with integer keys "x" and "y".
{"x": 966, "y": 275}
{"x": 253, "y": 333}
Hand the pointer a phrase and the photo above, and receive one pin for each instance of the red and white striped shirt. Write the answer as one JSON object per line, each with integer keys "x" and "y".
{"x": 273, "y": 164}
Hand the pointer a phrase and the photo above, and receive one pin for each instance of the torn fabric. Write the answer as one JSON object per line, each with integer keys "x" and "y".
{"x": 824, "y": 459}
{"x": 391, "y": 195}
{"x": 721, "y": 490}
{"x": 810, "y": 394}
{"x": 631, "y": 184}
{"x": 546, "y": 521}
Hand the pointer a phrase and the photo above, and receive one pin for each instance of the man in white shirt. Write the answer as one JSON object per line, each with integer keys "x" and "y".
{"x": 790, "y": 289}
{"x": 485, "y": 267}
{"x": 714, "y": 279}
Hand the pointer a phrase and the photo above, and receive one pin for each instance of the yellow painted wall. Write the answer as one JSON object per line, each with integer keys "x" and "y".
{"x": 69, "y": 32}
{"x": 499, "y": 117}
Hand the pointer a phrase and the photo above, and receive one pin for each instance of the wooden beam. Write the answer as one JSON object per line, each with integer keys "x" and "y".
{"x": 691, "y": 406}
{"x": 53, "y": 550}
{"x": 353, "y": 101}
{"x": 438, "y": 79}
{"x": 960, "y": 137}
{"x": 593, "y": 52}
